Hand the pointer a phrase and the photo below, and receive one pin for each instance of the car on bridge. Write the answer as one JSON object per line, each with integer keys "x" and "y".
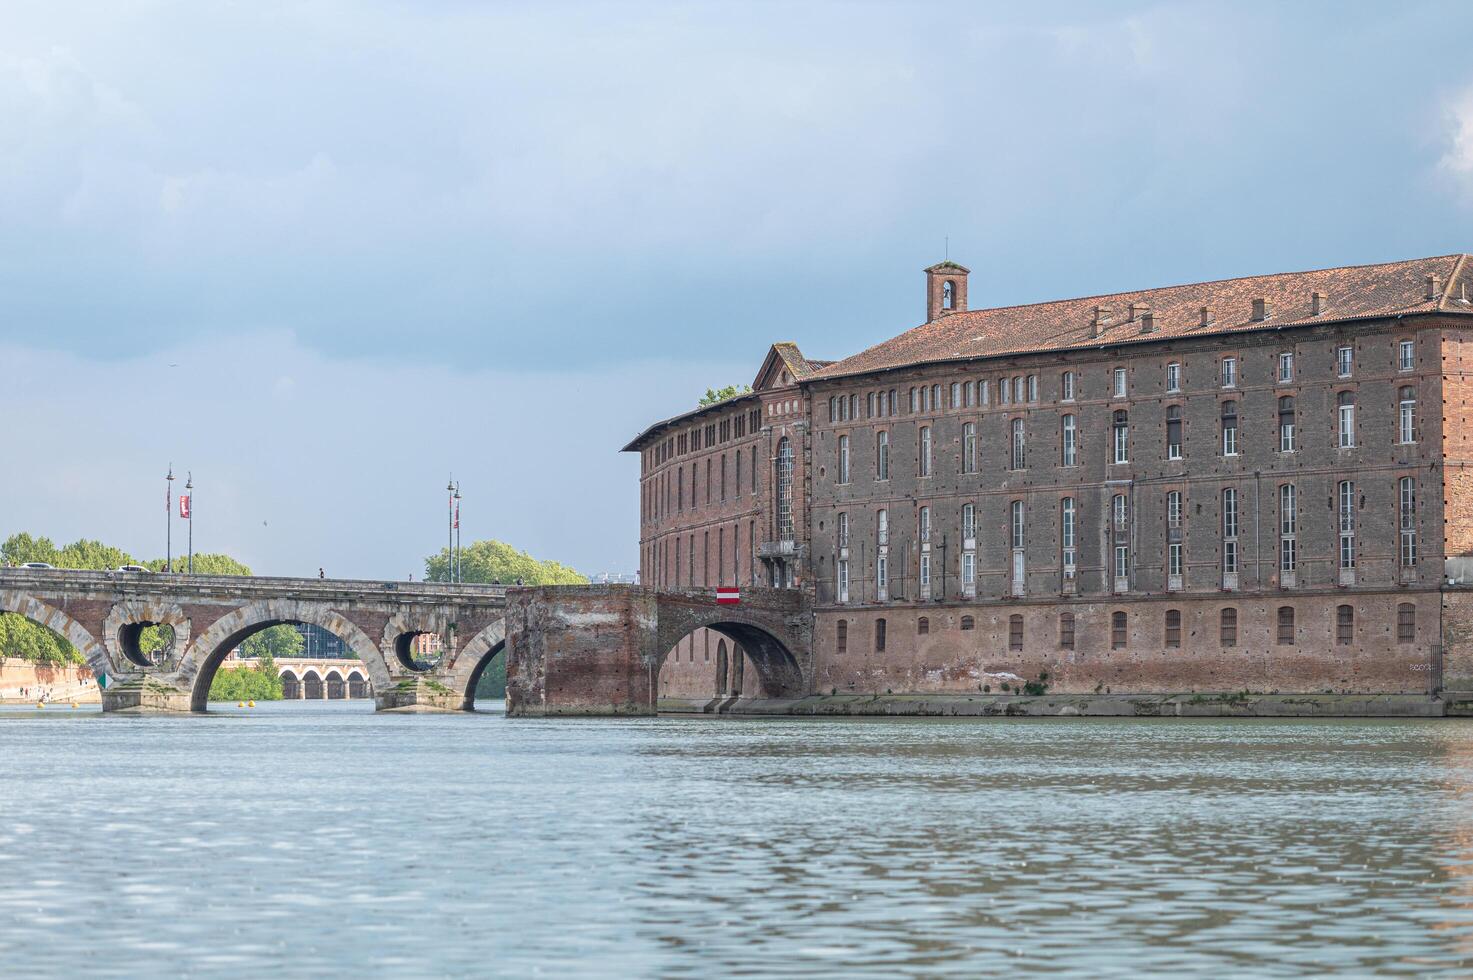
{"x": 38, "y": 564}
{"x": 131, "y": 568}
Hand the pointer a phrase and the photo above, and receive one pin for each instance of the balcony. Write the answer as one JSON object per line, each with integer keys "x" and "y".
{"x": 777, "y": 549}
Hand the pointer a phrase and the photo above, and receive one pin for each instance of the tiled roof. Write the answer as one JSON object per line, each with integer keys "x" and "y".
{"x": 1352, "y": 293}
{"x": 798, "y": 366}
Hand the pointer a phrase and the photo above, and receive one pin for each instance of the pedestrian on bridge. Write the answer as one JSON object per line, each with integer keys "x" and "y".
{"x": 321, "y": 573}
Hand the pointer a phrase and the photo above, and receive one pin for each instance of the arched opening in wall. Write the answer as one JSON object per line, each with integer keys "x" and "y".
{"x": 62, "y": 669}
{"x": 486, "y": 690}
{"x": 420, "y": 650}
{"x": 280, "y": 660}
{"x": 146, "y": 644}
{"x": 726, "y": 660}
{"x": 357, "y": 686}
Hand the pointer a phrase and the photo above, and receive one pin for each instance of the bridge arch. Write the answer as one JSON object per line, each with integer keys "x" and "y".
{"x": 202, "y": 659}
{"x": 337, "y": 688}
{"x": 312, "y": 688}
{"x": 781, "y": 672}
{"x": 470, "y": 662}
{"x": 357, "y": 685}
{"x": 28, "y": 607}
{"x": 291, "y": 684}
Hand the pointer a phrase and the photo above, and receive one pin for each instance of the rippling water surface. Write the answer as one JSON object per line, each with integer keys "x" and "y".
{"x": 321, "y": 839}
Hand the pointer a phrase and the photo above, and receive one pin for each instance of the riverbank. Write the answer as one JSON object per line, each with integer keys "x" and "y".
{"x": 25, "y": 682}
{"x": 1197, "y": 705}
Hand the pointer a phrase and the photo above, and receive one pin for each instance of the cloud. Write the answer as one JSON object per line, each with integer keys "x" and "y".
{"x": 1457, "y": 162}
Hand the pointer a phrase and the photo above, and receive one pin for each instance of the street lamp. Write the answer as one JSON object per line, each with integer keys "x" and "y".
{"x": 189, "y": 488}
{"x": 169, "y": 520}
{"x": 459, "y": 571}
{"x": 450, "y": 530}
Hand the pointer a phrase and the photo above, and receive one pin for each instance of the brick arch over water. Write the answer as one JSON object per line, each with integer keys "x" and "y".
{"x": 204, "y": 656}
{"x": 775, "y": 643}
{"x": 28, "y": 607}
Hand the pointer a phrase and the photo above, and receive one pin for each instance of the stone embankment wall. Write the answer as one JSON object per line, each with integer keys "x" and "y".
{"x": 60, "y": 683}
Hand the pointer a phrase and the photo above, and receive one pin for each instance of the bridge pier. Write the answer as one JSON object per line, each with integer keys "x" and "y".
{"x": 419, "y": 695}
{"x": 141, "y": 695}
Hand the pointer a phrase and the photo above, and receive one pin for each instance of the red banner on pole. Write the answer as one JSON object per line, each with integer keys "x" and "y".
{"x": 184, "y": 505}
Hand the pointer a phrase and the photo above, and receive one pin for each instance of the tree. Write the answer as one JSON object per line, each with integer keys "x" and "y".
{"x": 21, "y": 548}
{"x": 273, "y": 642}
{"x": 497, "y": 561}
{"x": 204, "y": 564}
{"x": 714, "y": 395}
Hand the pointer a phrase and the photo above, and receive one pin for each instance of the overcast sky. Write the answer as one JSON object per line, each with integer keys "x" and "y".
{"x": 323, "y": 254}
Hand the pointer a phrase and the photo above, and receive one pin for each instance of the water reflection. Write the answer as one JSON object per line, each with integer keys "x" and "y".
{"x": 325, "y": 838}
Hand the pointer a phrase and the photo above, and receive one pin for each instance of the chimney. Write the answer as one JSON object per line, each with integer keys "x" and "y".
{"x": 1318, "y": 303}
{"x": 1136, "y": 309}
{"x": 946, "y": 290}
{"x": 1148, "y": 322}
{"x": 1206, "y": 316}
{"x": 1434, "y": 287}
{"x": 1100, "y": 322}
{"x": 1261, "y": 310}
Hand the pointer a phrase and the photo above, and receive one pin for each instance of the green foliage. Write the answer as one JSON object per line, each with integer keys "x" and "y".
{"x": 19, "y": 637}
{"x": 273, "y": 642}
{"x": 493, "y": 682}
{"x": 714, "y": 395}
{"x": 204, "y": 564}
{"x": 497, "y": 561}
{"x": 1037, "y": 688}
{"x": 257, "y": 682}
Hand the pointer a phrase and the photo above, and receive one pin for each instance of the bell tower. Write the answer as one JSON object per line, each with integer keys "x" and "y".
{"x": 946, "y": 289}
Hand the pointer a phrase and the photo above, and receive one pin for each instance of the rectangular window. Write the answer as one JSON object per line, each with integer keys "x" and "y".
{"x": 1017, "y": 524}
{"x": 1347, "y": 524}
{"x": 969, "y": 522}
{"x": 1408, "y": 508}
{"x": 882, "y": 576}
{"x": 1033, "y": 387}
{"x": 1120, "y": 511}
{"x": 1173, "y": 559}
{"x": 1286, "y": 626}
{"x": 956, "y": 394}
{"x": 1227, "y": 633}
{"x": 1019, "y": 452}
{"x": 1345, "y": 404}
{"x": 925, "y": 524}
{"x": 1173, "y": 432}
{"x": 1286, "y": 366}
{"x": 926, "y": 572}
{"x": 1286, "y": 424}
{"x": 882, "y": 525}
{"x": 1230, "y": 530}
{"x": 1288, "y": 526}
{"x": 882, "y": 455}
{"x": 1066, "y": 387}
{"x": 1015, "y": 632}
{"x": 1406, "y": 357}
{"x": 1068, "y": 441}
{"x": 843, "y": 530}
{"x": 843, "y": 580}
{"x": 969, "y": 571}
{"x": 843, "y": 459}
{"x": 924, "y": 466}
{"x": 1406, "y": 623}
{"x": 1173, "y": 508}
{"x": 1173, "y": 627}
{"x": 1122, "y": 561}
{"x": 967, "y": 395}
{"x": 984, "y": 396}
{"x": 1229, "y": 372}
{"x": 1344, "y": 361}
{"x": 1066, "y": 533}
{"x": 1230, "y": 428}
{"x": 1066, "y": 630}
{"x": 1173, "y": 377}
{"x": 1119, "y": 385}
{"x": 1344, "y": 625}
{"x": 969, "y": 447}
{"x": 1407, "y": 415}
{"x": 1121, "y": 443}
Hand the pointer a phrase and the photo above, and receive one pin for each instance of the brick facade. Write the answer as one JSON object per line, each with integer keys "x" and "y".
{"x": 1339, "y": 443}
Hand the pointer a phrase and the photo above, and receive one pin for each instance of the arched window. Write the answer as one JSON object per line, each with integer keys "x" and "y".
{"x": 948, "y": 295}
{"x": 1345, "y": 405}
{"x": 1286, "y": 424}
{"x": 968, "y": 623}
{"x": 880, "y": 635}
{"x": 1406, "y": 623}
{"x": 1173, "y": 628}
{"x": 1015, "y": 632}
{"x": 1117, "y": 630}
{"x": 923, "y": 625}
{"x": 1227, "y": 630}
{"x": 784, "y": 490}
{"x": 1344, "y": 625}
{"x": 1173, "y": 432}
{"x": 1286, "y": 626}
{"x": 841, "y": 636}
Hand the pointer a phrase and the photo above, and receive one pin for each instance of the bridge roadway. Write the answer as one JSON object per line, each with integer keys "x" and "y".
{"x": 591, "y": 650}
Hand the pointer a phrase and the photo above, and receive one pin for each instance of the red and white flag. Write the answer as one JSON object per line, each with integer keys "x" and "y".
{"x": 184, "y": 506}
{"x": 728, "y": 595}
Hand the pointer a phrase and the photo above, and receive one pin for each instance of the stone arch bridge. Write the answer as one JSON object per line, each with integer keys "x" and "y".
{"x": 593, "y": 650}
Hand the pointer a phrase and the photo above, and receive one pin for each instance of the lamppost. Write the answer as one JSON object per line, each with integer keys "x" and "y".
{"x": 169, "y": 520}
{"x": 450, "y": 530}
{"x": 459, "y": 571}
{"x": 189, "y": 515}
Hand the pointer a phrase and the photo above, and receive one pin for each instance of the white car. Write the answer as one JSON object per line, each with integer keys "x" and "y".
{"x": 132, "y": 568}
{"x": 37, "y": 564}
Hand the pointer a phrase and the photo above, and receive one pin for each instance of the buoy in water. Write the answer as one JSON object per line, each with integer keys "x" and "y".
{"x": 40, "y": 705}
{"x": 240, "y": 704}
{"x": 74, "y": 704}
{"x": 250, "y": 704}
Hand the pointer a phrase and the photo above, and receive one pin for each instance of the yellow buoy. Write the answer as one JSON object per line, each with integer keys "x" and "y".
{"x": 250, "y": 704}
{"x": 74, "y": 704}
{"x": 240, "y": 704}
{"x": 40, "y": 705}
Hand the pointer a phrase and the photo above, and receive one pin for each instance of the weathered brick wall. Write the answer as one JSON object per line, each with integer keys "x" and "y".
{"x": 948, "y": 658}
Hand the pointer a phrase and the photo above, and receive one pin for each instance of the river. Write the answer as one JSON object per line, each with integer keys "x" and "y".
{"x": 320, "y": 839}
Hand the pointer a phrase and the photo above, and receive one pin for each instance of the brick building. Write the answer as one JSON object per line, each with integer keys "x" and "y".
{"x": 1252, "y": 484}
